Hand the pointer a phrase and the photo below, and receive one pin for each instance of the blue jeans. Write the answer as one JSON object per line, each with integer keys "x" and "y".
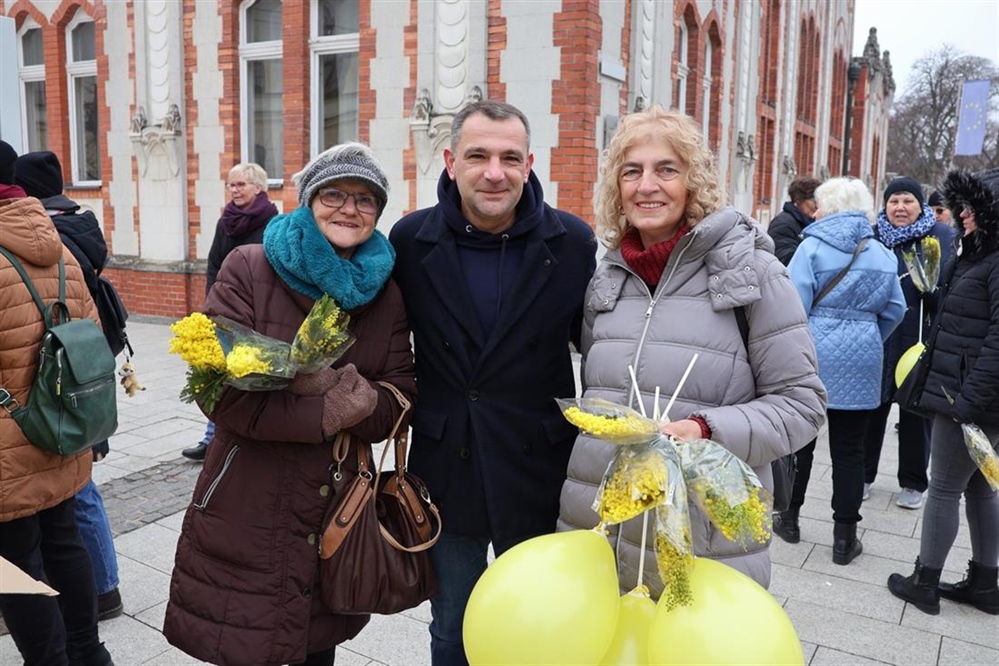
{"x": 209, "y": 432}
{"x": 92, "y": 520}
{"x": 458, "y": 562}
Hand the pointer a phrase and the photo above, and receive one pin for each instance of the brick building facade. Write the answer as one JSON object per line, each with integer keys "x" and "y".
{"x": 150, "y": 102}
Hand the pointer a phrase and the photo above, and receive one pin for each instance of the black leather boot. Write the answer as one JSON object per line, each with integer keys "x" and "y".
{"x": 978, "y": 589}
{"x": 786, "y": 525}
{"x": 846, "y": 545}
{"x": 921, "y": 589}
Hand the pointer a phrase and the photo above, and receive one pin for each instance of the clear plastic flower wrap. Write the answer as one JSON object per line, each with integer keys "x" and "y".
{"x": 254, "y": 361}
{"x": 608, "y": 421}
{"x": 637, "y": 479}
{"x": 322, "y": 338}
{"x": 673, "y": 544}
{"x": 727, "y": 490}
{"x": 924, "y": 264}
{"x": 981, "y": 451}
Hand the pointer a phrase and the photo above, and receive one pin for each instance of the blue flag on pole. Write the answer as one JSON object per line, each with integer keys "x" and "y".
{"x": 971, "y": 122}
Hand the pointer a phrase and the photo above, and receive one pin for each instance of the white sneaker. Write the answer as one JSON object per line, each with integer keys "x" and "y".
{"x": 909, "y": 499}
{"x": 867, "y": 492}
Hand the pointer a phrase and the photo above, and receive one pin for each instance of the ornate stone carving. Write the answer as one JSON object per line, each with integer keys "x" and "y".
{"x": 788, "y": 166}
{"x": 156, "y": 146}
{"x": 171, "y": 121}
{"x": 139, "y": 120}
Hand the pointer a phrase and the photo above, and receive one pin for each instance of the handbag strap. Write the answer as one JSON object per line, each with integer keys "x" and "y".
{"x": 842, "y": 274}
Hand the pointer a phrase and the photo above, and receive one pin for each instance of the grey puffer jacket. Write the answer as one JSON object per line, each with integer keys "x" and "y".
{"x": 760, "y": 405}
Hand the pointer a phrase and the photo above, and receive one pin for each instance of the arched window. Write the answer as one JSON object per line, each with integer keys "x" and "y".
{"x": 31, "y": 71}
{"x": 682, "y": 41}
{"x": 262, "y": 85}
{"x": 335, "y": 44}
{"x": 81, "y": 70}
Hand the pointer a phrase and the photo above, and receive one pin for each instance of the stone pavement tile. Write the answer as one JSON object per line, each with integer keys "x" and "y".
{"x": 903, "y": 549}
{"x": 153, "y": 545}
{"x": 8, "y": 651}
{"x": 956, "y": 621}
{"x": 345, "y": 657}
{"x": 835, "y": 593}
{"x": 142, "y": 586}
{"x": 829, "y": 657}
{"x": 173, "y": 522}
{"x": 855, "y": 635}
{"x": 959, "y": 653}
{"x": 131, "y": 642}
{"x": 868, "y": 568}
{"x": 395, "y": 640}
{"x": 889, "y": 521}
{"x": 789, "y": 554}
{"x": 174, "y": 657}
{"x": 154, "y": 616}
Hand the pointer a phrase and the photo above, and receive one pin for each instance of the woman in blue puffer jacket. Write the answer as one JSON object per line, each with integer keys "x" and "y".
{"x": 849, "y": 323}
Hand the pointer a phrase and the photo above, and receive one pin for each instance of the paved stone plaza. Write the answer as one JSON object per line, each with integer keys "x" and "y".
{"x": 843, "y": 615}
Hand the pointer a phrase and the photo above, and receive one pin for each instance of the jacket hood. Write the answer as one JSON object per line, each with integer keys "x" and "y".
{"x": 28, "y": 232}
{"x": 980, "y": 192}
{"x": 530, "y": 210}
{"x": 841, "y": 230}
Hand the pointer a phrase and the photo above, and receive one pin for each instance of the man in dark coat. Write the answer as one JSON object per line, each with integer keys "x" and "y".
{"x": 786, "y": 228}
{"x": 493, "y": 279}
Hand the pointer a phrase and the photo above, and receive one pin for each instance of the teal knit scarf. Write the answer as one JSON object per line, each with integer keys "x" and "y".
{"x": 309, "y": 264}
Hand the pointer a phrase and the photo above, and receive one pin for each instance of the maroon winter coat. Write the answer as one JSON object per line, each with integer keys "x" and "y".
{"x": 244, "y": 586}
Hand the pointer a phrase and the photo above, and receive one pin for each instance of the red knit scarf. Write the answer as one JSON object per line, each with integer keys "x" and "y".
{"x": 649, "y": 262}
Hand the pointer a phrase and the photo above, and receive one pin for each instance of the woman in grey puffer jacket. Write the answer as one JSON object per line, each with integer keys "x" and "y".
{"x": 678, "y": 265}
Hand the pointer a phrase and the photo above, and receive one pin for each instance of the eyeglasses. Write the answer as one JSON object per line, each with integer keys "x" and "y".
{"x": 664, "y": 172}
{"x": 335, "y": 199}
{"x": 236, "y": 186}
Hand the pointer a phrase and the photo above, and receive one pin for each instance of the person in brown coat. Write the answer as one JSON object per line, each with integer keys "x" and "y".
{"x": 245, "y": 583}
{"x": 38, "y": 530}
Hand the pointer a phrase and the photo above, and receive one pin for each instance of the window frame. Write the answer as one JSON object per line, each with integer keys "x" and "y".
{"x": 320, "y": 46}
{"x": 30, "y": 74}
{"x": 78, "y": 70}
{"x": 254, "y": 52}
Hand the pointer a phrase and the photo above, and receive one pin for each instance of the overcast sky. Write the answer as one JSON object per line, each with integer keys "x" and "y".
{"x": 909, "y": 29}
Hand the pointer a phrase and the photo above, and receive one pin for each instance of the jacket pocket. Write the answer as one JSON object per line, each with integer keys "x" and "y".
{"x": 214, "y": 484}
{"x": 429, "y": 425}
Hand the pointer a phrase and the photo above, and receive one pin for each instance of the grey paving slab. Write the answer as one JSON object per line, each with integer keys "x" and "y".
{"x": 828, "y": 657}
{"x": 836, "y": 592}
{"x": 142, "y": 586}
{"x": 131, "y": 642}
{"x": 154, "y": 545}
{"x": 959, "y": 653}
{"x": 861, "y": 636}
{"x": 410, "y": 644}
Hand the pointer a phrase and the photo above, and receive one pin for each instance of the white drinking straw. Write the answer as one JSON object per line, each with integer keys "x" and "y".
{"x": 683, "y": 379}
{"x": 634, "y": 387}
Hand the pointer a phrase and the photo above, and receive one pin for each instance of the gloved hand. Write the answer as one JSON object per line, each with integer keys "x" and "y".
{"x": 351, "y": 400}
{"x": 316, "y": 383}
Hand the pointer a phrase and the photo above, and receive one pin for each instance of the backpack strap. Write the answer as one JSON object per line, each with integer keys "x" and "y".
{"x": 59, "y": 307}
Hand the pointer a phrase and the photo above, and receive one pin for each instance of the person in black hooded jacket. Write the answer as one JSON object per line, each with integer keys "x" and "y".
{"x": 958, "y": 383}
{"x": 785, "y": 229}
{"x": 39, "y": 174}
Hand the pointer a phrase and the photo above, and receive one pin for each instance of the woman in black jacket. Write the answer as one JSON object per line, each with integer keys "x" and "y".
{"x": 959, "y": 383}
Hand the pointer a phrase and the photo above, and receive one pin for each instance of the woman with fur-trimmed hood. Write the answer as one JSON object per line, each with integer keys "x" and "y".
{"x": 961, "y": 362}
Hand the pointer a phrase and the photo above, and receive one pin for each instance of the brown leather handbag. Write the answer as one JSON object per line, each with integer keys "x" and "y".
{"x": 374, "y": 553}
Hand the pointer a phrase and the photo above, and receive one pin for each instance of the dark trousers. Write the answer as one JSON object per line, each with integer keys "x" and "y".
{"x": 803, "y": 462}
{"x": 913, "y": 447}
{"x": 51, "y": 630}
{"x": 321, "y": 658}
{"x": 847, "y": 429}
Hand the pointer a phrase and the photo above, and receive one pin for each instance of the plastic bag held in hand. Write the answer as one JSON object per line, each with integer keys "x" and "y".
{"x": 351, "y": 400}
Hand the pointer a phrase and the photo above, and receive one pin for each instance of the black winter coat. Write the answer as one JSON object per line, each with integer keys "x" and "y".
{"x": 962, "y": 357}
{"x": 488, "y": 437}
{"x": 81, "y": 233}
{"x": 785, "y": 230}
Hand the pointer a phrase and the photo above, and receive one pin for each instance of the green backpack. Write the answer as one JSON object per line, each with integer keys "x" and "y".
{"x": 73, "y": 402}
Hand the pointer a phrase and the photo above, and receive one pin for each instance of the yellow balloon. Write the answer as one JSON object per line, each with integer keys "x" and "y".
{"x": 630, "y": 646}
{"x": 731, "y": 620}
{"x": 906, "y": 363}
{"x": 550, "y": 600}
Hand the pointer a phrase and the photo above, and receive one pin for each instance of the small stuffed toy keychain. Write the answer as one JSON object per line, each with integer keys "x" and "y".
{"x": 128, "y": 378}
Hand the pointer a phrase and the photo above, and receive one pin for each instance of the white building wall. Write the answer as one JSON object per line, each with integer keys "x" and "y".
{"x": 209, "y": 135}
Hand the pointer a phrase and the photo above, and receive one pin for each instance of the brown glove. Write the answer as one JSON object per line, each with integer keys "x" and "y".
{"x": 316, "y": 383}
{"x": 349, "y": 402}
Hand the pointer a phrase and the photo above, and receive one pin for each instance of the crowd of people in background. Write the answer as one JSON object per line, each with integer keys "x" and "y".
{"x": 478, "y": 301}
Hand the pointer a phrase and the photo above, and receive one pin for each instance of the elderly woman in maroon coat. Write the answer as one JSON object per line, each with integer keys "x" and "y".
{"x": 244, "y": 587}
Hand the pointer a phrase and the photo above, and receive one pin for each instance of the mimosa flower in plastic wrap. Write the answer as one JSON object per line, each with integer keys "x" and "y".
{"x": 923, "y": 262}
{"x": 222, "y": 352}
{"x": 981, "y": 451}
{"x": 636, "y": 480}
{"x": 728, "y": 491}
{"x": 608, "y": 421}
{"x": 674, "y": 547}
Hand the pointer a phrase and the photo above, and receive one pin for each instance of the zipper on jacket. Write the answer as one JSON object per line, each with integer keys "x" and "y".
{"x": 218, "y": 479}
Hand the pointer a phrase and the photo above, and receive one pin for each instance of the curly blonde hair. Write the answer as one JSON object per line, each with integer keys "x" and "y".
{"x": 704, "y": 191}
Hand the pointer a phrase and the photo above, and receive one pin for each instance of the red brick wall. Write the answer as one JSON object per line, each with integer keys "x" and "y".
{"x": 496, "y": 39}
{"x": 576, "y": 100}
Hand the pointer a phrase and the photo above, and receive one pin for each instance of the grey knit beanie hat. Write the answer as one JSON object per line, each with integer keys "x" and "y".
{"x": 346, "y": 160}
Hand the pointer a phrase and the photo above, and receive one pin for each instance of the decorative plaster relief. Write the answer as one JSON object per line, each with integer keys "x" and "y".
{"x": 158, "y": 56}
{"x": 156, "y": 147}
